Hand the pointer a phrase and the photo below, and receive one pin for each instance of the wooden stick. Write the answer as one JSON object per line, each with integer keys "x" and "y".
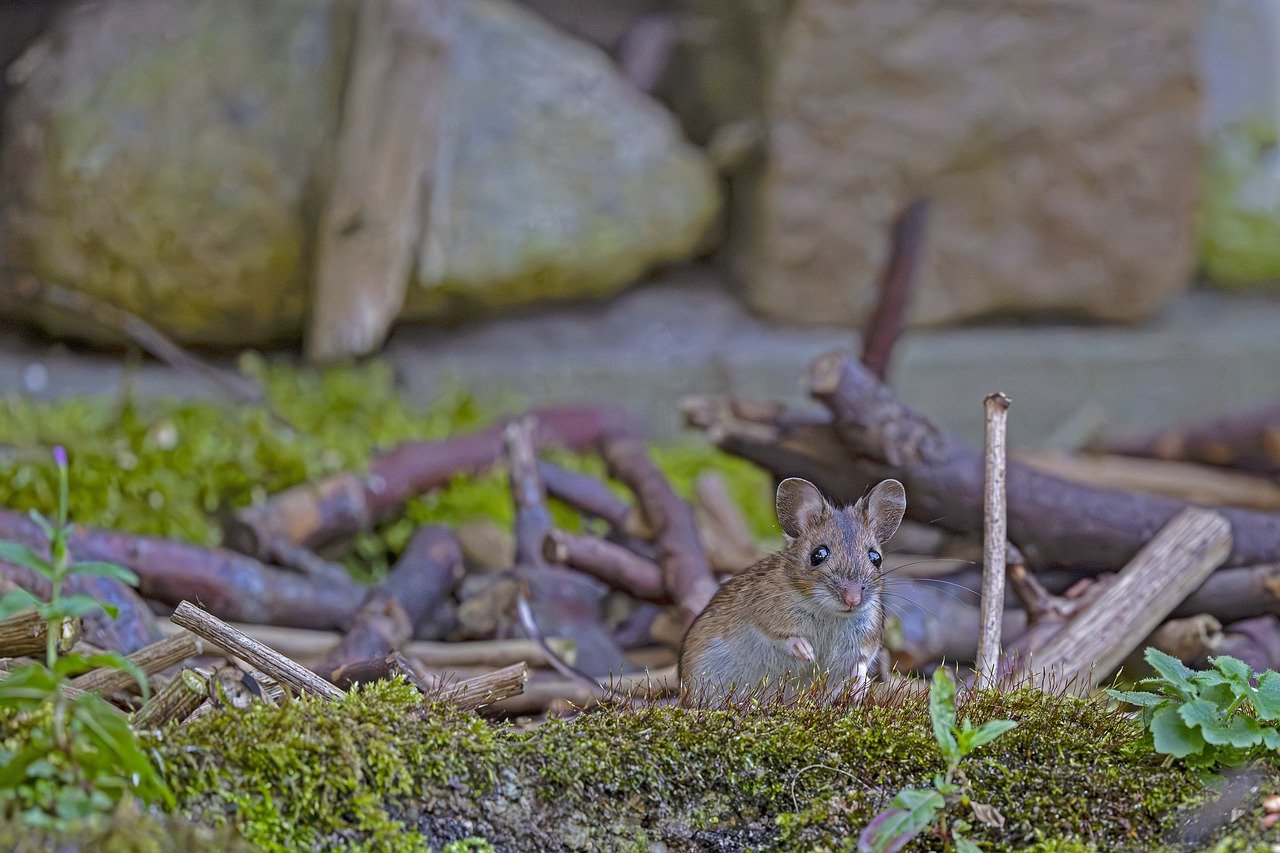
{"x": 303, "y": 645}
{"x": 373, "y": 217}
{"x": 151, "y": 659}
{"x": 685, "y": 568}
{"x": 27, "y": 633}
{"x": 313, "y": 514}
{"x": 1248, "y": 442}
{"x": 596, "y": 499}
{"x": 378, "y": 669}
{"x": 886, "y": 321}
{"x": 427, "y": 571}
{"x": 175, "y": 701}
{"x": 1191, "y": 482}
{"x": 987, "y": 664}
{"x": 1057, "y": 524}
{"x": 475, "y": 693}
{"x": 611, "y": 563}
{"x": 721, "y": 527}
{"x": 268, "y": 660}
{"x": 1171, "y": 565}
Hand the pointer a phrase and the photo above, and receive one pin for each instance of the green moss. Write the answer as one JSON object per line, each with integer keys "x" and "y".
{"x": 168, "y": 467}
{"x": 125, "y": 832}
{"x": 375, "y": 772}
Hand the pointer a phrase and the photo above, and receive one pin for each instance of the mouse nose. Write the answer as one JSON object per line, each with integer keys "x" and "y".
{"x": 852, "y": 595}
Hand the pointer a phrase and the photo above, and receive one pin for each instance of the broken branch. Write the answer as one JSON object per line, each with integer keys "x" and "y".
{"x": 993, "y": 541}
{"x": 268, "y": 660}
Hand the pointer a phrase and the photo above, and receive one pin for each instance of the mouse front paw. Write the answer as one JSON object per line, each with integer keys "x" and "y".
{"x": 799, "y": 648}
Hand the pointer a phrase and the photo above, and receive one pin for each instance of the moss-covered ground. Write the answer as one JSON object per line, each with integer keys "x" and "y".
{"x": 381, "y": 771}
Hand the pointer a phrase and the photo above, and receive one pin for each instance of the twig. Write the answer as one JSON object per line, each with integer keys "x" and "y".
{"x": 1175, "y": 562}
{"x": 723, "y": 530}
{"x": 987, "y": 663}
{"x": 615, "y": 565}
{"x": 685, "y": 569}
{"x": 27, "y": 633}
{"x": 590, "y": 496}
{"x": 233, "y": 642}
{"x": 1249, "y": 442}
{"x": 304, "y": 645}
{"x": 151, "y": 659}
{"x": 1188, "y": 481}
{"x": 887, "y": 319}
{"x": 26, "y": 286}
{"x": 427, "y": 571}
{"x": 483, "y": 690}
{"x": 313, "y": 514}
{"x": 377, "y": 669}
{"x": 175, "y": 701}
{"x": 230, "y": 584}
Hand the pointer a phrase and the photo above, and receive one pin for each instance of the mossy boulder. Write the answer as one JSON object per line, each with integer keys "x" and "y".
{"x": 172, "y": 158}
{"x": 380, "y": 771}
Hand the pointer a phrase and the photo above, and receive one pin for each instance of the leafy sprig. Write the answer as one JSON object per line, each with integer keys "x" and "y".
{"x": 72, "y": 754}
{"x": 913, "y": 810}
{"x": 1222, "y": 716}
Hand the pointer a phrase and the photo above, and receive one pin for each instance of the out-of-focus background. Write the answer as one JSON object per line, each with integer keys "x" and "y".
{"x": 634, "y": 200}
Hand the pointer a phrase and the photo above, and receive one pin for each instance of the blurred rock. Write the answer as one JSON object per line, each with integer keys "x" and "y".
{"x": 164, "y": 156}
{"x": 170, "y": 156}
{"x": 1058, "y": 141}
{"x": 558, "y": 180}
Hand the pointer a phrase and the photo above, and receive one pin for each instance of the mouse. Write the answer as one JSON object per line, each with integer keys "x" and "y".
{"x": 813, "y": 610}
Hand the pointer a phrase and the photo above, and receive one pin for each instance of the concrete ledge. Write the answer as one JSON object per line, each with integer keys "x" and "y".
{"x": 1209, "y": 353}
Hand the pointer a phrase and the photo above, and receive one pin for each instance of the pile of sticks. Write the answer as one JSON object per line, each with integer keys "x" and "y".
{"x": 568, "y": 618}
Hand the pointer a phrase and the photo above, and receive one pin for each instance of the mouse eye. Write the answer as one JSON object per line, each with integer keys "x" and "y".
{"x": 819, "y": 555}
{"x": 875, "y": 557}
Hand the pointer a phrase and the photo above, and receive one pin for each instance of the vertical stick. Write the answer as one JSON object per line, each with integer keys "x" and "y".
{"x": 993, "y": 541}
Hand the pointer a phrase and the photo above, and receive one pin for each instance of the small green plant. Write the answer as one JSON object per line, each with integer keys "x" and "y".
{"x": 914, "y": 810}
{"x": 1209, "y": 718}
{"x": 65, "y": 755}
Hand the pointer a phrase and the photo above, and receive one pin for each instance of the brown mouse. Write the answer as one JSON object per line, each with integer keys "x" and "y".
{"x": 814, "y": 608}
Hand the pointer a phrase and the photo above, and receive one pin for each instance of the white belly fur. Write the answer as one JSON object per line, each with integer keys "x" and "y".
{"x": 733, "y": 664}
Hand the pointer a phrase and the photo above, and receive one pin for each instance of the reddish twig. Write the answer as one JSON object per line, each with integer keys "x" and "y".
{"x": 885, "y": 324}
{"x": 313, "y": 514}
{"x": 426, "y": 572}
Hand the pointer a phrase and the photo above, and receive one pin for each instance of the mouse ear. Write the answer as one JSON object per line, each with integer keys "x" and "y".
{"x": 882, "y": 509}
{"x": 800, "y": 505}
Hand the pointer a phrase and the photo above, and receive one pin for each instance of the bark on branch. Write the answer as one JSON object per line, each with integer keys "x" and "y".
{"x": 425, "y": 574}
{"x": 313, "y": 514}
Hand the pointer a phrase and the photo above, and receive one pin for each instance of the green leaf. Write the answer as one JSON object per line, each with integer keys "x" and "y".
{"x": 1233, "y": 668}
{"x": 1202, "y": 713}
{"x": 109, "y": 730}
{"x": 21, "y": 555}
{"x": 911, "y": 812}
{"x": 988, "y": 732}
{"x": 1266, "y": 699}
{"x": 1172, "y": 736}
{"x": 1137, "y": 697}
{"x": 16, "y": 601}
{"x": 74, "y": 664}
{"x": 41, "y": 522}
{"x": 72, "y": 605}
{"x": 1240, "y": 732}
{"x": 964, "y": 845}
{"x": 942, "y": 712}
{"x": 15, "y": 769}
{"x": 1174, "y": 671}
{"x": 1271, "y": 739}
{"x": 104, "y": 570}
